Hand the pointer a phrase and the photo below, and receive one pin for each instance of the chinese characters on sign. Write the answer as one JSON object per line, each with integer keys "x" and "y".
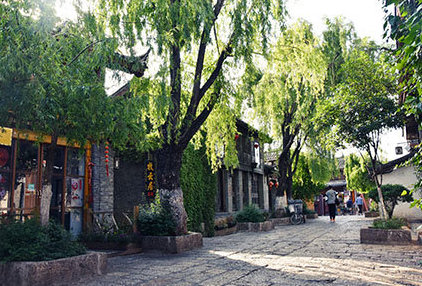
{"x": 150, "y": 180}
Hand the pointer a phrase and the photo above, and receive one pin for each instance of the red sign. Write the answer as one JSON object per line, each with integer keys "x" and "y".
{"x": 4, "y": 157}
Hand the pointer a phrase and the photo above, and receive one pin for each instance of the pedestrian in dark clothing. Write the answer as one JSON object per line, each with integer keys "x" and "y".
{"x": 349, "y": 204}
{"x": 331, "y": 201}
{"x": 359, "y": 203}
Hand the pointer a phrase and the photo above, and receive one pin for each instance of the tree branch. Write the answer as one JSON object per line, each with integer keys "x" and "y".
{"x": 83, "y": 50}
{"x": 196, "y": 96}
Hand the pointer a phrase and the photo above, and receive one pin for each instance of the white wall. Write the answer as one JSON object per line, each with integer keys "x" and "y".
{"x": 405, "y": 176}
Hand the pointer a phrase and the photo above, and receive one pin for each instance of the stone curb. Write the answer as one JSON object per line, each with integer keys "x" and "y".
{"x": 255, "y": 227}
{"x": 37, "y": 273}
{"x": 385, "y": 236}
{"x": 171, "y": 244}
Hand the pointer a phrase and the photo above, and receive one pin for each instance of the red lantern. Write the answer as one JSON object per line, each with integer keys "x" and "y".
{"x": 276, "y": 184}
{"x": 236, "y": 136}
{"x": 256, "y": 145}
{"x": 271, "y": 185}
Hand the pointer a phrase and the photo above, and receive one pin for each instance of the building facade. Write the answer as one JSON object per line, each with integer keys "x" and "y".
{"x": 246, "y": 184}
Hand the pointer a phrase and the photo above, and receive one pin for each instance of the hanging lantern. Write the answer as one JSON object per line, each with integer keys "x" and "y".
{"x": 276, "y": 184}
{"x": 271, "y": 184}
{"x": 256, "y": 145}
{"x": 236, "y": 136}
{"x": 106, "y": 156}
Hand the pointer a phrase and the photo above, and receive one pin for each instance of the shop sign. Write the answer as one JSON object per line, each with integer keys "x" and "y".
{"x": 76, "y": 193}
{"x": 6, "y": 136}
{"x": 150, "y": 180}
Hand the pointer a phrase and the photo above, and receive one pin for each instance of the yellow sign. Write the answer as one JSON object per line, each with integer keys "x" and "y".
{"x": 6, "y": 136}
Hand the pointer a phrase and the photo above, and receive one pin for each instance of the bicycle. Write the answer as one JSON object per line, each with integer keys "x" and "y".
{"x": 295, "y": 208}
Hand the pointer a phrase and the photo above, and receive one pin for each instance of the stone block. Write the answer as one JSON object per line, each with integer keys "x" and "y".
{"x": 312, "y": 216}
{"x": 255, "y": 226}
{"x": 171, "y": 244}
{"x": 280, "y": 221}
{"x": 226, "y": 231}
{"x": 385, "y": 236}
{"x": 372, "y": 214}
{"x": 36, "y": 273}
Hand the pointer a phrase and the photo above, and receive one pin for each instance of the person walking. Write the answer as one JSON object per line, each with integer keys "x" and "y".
{"x": 350, "y": 205}
{"x": 331, "y": 202}
{"x": 359, "y": 203}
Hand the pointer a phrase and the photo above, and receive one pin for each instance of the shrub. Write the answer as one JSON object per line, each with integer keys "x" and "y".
{"x": 250, "y": 214}
{"x": 392, "y": 223}
{"x": 392, "y": 195}
{"x": 156, "y": 219}
{"x": 120, "y": 237}
{"x": 29, "y": 241}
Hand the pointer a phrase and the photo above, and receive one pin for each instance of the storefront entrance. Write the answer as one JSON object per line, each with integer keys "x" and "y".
{"x": 22, "y": 164}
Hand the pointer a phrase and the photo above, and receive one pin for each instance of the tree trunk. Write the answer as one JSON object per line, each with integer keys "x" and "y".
{"x": 169, "y": 163}
{"x": 383, "y": 210}
{"x": 285, "y": 180}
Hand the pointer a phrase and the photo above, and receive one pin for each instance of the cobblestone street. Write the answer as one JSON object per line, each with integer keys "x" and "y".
{"x": 315, "y": 253}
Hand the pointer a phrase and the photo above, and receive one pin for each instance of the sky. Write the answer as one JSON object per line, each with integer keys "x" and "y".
{"x": 367, "y": 17}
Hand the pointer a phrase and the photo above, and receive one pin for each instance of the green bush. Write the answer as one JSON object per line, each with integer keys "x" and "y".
{"x": 29, "y": 241}
{"x": 250, "y": 214}
{"x": 156, "y": 220}
{"x": 116, "y": 237}
{"x": 392, "y": 196}
{"x": 392, "y": 223}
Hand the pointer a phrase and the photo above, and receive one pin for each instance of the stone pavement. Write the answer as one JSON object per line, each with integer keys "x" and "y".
{"x": 315, "y": 253}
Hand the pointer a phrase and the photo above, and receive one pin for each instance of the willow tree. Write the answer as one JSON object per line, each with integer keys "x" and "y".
{"x": 285, "y": 98}
{"x": 194, "y": 40}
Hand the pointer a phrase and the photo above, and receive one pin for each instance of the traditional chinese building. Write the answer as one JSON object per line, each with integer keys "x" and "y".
{"x": 246, "y": 184}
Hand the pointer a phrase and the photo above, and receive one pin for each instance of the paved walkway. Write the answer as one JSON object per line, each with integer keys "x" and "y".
{"x": 315, "y": 253}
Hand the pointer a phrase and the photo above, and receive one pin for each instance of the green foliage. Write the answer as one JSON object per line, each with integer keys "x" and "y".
{"x": 199, "y": 187}
{"x": 393, "y": 194}
{"x": 29, "y": 241}
{"x": 285, "y": 96}
{"x": 405, "y": 28}
{"x": 307, "y": 181}
{"x": 116, "y": 237}
{"x": 156, "y": 219}
{"x": 363, "y": 104}
{"x": 250, "y": 213}
{"x": 357, "y": 176}
{"x": 198, "y": 44}
{"x": 336, "y": 44}
{"x": 52, "y": 75}
{"x": 392, "y": 223}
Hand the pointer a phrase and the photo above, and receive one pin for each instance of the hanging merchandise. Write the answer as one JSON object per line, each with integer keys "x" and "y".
{"x": 106, "y": 156}
{"x": 4, "y": 157}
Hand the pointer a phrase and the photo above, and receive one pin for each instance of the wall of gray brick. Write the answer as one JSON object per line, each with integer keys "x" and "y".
{"x": 102, "y": 185}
